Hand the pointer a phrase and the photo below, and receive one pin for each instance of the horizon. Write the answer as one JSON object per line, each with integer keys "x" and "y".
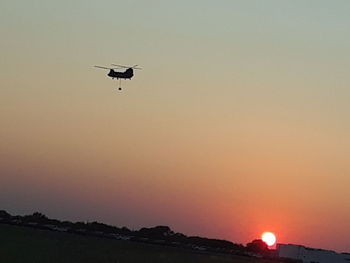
{"x": 238, "y": 123}
{"x": 270, "y": 247}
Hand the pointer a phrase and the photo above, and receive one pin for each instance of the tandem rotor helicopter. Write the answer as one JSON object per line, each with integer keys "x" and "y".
{"x": 127, "y": 74}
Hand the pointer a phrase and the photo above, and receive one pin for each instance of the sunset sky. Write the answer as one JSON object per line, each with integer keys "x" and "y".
{"x": 238, "y": 123}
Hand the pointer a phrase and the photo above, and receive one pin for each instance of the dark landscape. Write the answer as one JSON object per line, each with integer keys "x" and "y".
{"x": 36, "y": 238}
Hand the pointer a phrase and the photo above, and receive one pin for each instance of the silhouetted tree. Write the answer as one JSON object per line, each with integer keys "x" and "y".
{"x": 4, "y": 214}
{"x": 79, "y": 225}
{"x": 96, "y": 226}
{"x": 158, "y": 232}
{"x": 209, "y": 242}
{"x": 124, "y": 230}
{"x": 37, "y": 218}
{"x": 258, "y": 246}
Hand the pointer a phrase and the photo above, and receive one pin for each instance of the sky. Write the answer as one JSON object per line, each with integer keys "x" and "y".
{"x": 237, "y": 124}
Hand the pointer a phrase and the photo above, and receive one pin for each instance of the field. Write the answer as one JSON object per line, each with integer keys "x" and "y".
{"x": 27, "y": 245}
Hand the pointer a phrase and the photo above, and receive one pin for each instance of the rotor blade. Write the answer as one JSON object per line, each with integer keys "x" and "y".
{"x": 135, "y": 67}
{"x": 101, "y": 67}
{"x": 120, "y": 66}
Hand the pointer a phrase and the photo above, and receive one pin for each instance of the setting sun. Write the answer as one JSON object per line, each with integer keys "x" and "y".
{"x": 269, "y": 238}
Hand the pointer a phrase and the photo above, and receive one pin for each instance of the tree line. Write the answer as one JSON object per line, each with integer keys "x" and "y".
{"x": 162, "y": 235}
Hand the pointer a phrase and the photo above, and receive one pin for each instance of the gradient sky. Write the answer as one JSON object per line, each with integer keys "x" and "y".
{"x": 238, "y": 124}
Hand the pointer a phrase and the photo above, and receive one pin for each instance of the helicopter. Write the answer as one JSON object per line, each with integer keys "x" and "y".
{"x": 127, "y": 74}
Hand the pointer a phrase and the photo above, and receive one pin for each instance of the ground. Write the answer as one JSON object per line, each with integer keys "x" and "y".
{"x": 22, "y": 244}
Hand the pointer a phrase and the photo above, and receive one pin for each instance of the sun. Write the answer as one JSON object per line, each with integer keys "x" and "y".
{"x": 269, "y": 238}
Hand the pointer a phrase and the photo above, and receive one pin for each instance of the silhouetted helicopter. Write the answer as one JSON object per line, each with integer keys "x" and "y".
{"x": 127, "y": 74}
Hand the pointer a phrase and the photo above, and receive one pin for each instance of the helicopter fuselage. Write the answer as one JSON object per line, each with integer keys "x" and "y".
{"x": 127, "y": 74}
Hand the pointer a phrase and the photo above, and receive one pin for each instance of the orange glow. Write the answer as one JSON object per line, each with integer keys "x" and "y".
{"x": 269, "y": 238}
